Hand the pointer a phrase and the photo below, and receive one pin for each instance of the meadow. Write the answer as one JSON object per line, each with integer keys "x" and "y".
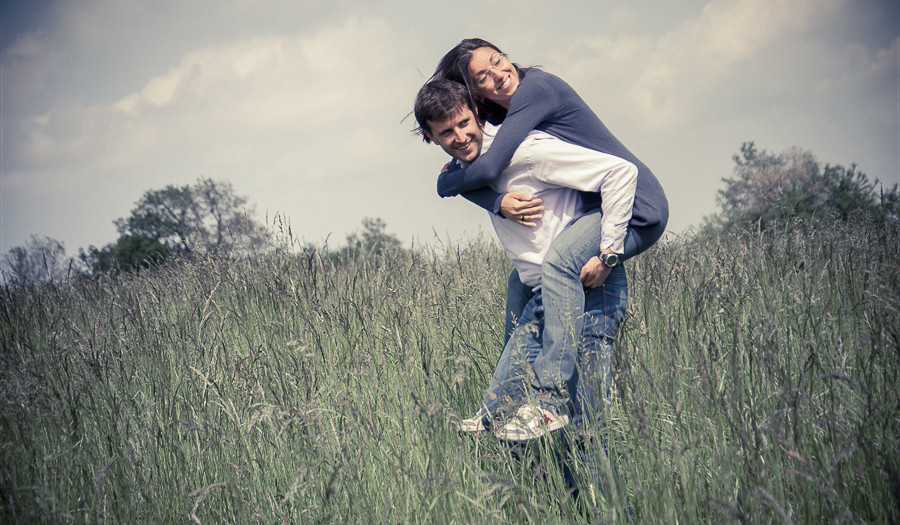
{"x": 756, "y": 381}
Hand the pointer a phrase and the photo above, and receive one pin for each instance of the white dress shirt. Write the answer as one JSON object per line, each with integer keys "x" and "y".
{"x": 552, "y": 169}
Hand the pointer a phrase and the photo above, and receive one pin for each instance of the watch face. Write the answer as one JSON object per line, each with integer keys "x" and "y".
{"x": 610, "y": 259}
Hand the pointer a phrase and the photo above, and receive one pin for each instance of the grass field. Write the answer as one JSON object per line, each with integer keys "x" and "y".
{"x": 756, "y": 381}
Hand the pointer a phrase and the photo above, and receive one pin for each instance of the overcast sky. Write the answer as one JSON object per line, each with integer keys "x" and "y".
{"x": 301, "y": 104}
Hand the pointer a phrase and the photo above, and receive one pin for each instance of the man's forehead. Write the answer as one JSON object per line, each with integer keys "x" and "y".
{"x": 460, "y": 113}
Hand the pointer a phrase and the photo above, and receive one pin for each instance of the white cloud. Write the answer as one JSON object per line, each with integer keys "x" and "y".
{"x": 316, "y": 87}
{"x": 669, "y": 78}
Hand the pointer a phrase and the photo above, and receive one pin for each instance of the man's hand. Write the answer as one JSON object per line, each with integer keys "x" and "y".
{"x": 521, "y": 208}
{"x": 594, "y": 273}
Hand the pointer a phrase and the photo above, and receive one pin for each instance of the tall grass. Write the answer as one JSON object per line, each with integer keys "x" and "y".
{"x": 756, "y": 381}
{"x": 758, "y": 377}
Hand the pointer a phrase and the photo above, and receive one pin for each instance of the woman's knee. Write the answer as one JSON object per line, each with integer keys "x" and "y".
{"x": 561, "y": 258}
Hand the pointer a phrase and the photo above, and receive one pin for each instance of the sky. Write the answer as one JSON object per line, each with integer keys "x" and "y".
{"x": 303, "y": 106}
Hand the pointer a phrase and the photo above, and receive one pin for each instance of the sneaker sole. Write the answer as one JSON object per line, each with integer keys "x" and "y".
{"x": 471, "y": 428}
{"x": 508, "y": 434}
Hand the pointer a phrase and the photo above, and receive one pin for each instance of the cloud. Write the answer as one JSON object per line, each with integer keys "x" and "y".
{"x": 668, "y": 78}
{"x": 310, "y": 91}
{"x": 855, "y": 69}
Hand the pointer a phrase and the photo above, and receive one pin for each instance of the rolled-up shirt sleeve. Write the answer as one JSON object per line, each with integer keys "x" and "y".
{"x": 587, "y": 170}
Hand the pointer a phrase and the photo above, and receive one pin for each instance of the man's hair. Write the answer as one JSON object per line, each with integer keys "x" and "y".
{"x": 439, "y": 99}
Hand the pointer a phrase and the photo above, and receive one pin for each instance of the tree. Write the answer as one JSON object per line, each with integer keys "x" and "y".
{"x": 177, "y": 222}
{"x": 850, "y": 192}
{"x": 131, "y": 252}
{"x": 40, "y": 260}
{"x": 206, "y": 217}
{"x": 770, "y": 188}
{"x": 373, "y": 241}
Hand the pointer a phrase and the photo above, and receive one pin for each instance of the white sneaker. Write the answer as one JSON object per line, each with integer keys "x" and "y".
{"x": 532, "y": 422}
{"x": 475, "y": 423}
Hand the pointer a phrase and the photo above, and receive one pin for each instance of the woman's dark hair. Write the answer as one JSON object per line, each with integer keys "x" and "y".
{"x": 455, "y": 66}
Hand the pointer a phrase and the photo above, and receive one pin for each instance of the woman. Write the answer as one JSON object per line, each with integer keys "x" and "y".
{"x": 525, "y": 99}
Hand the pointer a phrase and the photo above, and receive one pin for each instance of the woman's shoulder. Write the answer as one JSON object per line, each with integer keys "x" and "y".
{"x": 538, "y": 76}
{"x": 540, "y": 81}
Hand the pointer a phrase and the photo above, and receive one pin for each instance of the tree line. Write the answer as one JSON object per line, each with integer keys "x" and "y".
{"x": 208, "y": 218}
{"x": 172, "y": 224}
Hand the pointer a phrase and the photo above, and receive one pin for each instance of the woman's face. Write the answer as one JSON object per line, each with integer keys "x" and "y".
{"x": 495, "y": 77}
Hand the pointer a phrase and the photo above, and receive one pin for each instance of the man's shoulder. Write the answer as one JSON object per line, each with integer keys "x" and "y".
{"x": 490, "y": 131}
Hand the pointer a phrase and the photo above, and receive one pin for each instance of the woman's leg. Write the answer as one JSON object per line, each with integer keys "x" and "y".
{"x": 563, "y": 294}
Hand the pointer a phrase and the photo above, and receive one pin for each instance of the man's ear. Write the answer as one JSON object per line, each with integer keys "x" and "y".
{"x": 428, "y": 136}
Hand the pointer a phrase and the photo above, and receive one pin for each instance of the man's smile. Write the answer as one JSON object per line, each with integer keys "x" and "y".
{"x": 465, "y": 146}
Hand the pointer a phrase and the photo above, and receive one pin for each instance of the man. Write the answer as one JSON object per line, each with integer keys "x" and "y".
{"x": 554, "y": 171}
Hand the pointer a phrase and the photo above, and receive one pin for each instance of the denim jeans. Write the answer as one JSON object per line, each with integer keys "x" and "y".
{"x": 564, "y": 294}
{"x": 517, "y": 296}
{"x": 513, "y": 375}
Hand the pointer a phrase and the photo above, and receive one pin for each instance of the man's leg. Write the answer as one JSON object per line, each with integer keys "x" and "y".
{"x": 517, "y": 296}
{"x": 604, "y": 311}
{"x": 528, "y": 413}
{"x": 590, "y": 394}
{"x": 519, "y": 313}
{"x": 508, "y": 381}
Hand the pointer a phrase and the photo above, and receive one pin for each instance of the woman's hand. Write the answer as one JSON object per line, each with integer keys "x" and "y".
{"x": 594, "y": 273}
{"x": 521, "y": 208}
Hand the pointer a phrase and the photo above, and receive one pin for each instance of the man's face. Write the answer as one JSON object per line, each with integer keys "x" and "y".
{"x": 459, "y": 134}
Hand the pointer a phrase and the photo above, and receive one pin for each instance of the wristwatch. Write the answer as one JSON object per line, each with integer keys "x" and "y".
{"x": 610, "y": 259}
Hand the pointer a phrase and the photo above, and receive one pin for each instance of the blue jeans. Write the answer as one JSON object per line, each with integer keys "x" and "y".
{"x": 517, "y": 296}
{"x": 564, "y": 294}
{"x": 604, "y": 311}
